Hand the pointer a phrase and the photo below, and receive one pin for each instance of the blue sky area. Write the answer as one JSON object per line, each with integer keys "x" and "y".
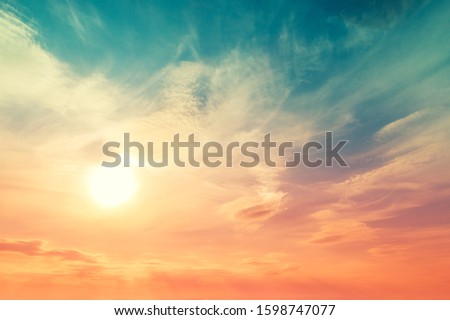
{"x": 372, "y": 61}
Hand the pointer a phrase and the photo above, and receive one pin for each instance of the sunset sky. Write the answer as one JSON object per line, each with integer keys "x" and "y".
{"x": 74, "y": 76}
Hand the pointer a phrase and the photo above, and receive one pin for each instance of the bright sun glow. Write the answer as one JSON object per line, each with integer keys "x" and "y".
{"x": 111, "y": 187}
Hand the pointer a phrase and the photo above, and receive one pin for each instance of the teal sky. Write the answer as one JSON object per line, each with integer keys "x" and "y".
{"x": 350, "y": 65}
{"x": 307, "y": 43}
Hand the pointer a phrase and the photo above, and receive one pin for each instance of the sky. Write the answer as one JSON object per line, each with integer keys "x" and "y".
{"x": 75, "y": 75}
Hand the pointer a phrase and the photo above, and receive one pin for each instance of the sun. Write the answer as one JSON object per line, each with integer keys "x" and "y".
{"x": 111, "y": 187}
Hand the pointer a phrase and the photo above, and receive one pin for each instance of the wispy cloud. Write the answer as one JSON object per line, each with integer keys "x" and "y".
{"x": 36, "y": 248}
{"x": 85, "y": 21}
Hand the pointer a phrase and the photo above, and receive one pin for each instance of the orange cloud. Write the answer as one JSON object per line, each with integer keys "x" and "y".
{"x": 36, "y": 248}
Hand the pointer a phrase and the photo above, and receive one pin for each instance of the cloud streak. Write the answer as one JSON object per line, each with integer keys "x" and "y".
{"x": 35, "y": 248}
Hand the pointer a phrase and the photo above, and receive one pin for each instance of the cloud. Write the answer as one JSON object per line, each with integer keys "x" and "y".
{"x": 342, "y": 231}
{"x": 252, "y": 209}
{"x": 396, "y": 127}
{"x": 85, "y": 22}
{"x": 41, "y": 98}
{"x": 35, "y": 248}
